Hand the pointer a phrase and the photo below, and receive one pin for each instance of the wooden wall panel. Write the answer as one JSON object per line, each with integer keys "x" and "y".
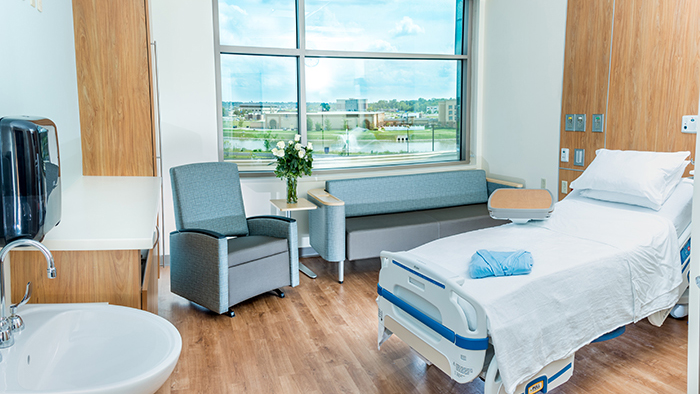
{"x": 655, "y": 74}
{"x": 112, "y": 276}
{"x": 568, "y": 176}
{"x": 654, "y": 67}
{"x": 112, "y": 59}
{"x": 586, "y": 65}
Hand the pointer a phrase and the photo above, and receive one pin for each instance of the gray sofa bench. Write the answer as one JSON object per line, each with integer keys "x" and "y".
{"x": 358, "y": 218}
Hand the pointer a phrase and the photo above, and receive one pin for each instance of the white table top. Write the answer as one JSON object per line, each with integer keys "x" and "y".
{"x": 107, "y": 213}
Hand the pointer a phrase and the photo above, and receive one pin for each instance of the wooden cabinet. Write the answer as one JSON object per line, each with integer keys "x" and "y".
{"x": 112, "y": 53}
{"x": 113, "y": 276}
{"x": 636, "y": 62}
{"x": 105, "y": 224}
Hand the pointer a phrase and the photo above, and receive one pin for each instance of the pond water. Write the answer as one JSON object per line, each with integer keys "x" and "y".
{"x": 355, "y": 146}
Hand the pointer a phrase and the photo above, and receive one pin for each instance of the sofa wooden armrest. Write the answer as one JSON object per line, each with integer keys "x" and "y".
{"x": 325, "y": 198}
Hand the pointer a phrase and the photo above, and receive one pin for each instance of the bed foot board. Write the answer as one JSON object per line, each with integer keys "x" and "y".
{"x": 550, "y": 377}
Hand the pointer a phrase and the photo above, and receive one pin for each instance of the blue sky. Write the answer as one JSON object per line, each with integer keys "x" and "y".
{"x": 359, "y": 25}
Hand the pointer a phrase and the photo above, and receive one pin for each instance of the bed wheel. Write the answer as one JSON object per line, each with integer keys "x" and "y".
{"x": 231, "y": 313}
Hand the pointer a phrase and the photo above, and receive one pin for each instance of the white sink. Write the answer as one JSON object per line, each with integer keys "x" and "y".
{"x": 89, "y": 348}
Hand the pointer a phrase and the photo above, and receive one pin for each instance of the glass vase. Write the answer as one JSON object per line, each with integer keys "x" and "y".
{"x": 292, "y": 190}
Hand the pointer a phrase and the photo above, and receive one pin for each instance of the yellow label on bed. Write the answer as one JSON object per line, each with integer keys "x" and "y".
{"x": 536, "y": 388}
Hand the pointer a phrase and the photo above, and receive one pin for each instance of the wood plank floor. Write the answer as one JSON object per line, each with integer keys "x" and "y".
{"x": 322, "y": 338}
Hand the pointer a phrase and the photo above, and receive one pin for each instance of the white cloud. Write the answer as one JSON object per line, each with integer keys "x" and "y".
{"x": 406, "y": 27}
{"x": 381, "y": 46}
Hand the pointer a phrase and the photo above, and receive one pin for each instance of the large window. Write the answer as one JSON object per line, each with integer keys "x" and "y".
{"x": 368, "y": 83}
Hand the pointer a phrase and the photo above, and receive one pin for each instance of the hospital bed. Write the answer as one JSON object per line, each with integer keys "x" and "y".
{"x": 598, "y": 266}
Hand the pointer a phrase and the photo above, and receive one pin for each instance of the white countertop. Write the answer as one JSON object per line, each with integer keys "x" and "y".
{"x": 107, "y": 213}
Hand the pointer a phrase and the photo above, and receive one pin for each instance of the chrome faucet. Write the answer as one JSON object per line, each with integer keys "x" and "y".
{"x": 8, "y": 324}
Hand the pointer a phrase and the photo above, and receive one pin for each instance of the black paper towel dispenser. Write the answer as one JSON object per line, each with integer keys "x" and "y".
{"x": 30, "y": 178}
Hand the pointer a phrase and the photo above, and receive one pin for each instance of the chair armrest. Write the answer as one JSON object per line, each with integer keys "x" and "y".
{"x": 327, "y": 225}
{"x": 199, "y": 267}
{"x": 210, "y": 233}
{"x": 492, "y": 184}
{"x": 279, "y": 227}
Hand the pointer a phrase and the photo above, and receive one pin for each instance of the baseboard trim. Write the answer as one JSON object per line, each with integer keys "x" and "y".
{"x": 307, "y": 251}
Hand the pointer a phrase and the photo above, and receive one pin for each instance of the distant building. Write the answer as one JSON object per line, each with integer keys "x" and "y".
{"x": 336, "y": 120}
{"x": 257, "y": 108}
{"x": 351, "y": 105}
{"x": 448, "y": 113}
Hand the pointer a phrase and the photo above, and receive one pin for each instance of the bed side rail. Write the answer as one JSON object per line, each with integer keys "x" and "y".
{"x": 425, "y": 306}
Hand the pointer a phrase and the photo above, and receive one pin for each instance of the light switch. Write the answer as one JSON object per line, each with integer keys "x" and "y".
{"x": 690, "y": 124}
{"x": 597, "y": 126}
{"x": 569, "y": 122}
{"x": 580, "y": 122}
{"x": 579, "y": 157}
{"x": 564, "y": 155}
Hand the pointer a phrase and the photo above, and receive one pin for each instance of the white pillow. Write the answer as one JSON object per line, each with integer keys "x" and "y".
{"x": 619, "y": 197}
{"x": 632, "y": 177}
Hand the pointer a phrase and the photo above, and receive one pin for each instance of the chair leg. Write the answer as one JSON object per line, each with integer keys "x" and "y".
{"x": 278, "y": 292}
{"x": 230, "y": 312}
{"x": 341, "y": 264}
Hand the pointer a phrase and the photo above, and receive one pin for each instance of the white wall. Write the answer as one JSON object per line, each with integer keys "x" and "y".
{"x": 184, "y": 35}
{"x": 38, "y": 75}
{"x": 521, "y": 83}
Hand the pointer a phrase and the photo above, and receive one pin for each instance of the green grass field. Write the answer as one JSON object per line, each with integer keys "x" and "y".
{"x": 328, "y": 138}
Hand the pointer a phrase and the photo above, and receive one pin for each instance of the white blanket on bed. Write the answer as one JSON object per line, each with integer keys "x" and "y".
{"x": 595, "y": 268}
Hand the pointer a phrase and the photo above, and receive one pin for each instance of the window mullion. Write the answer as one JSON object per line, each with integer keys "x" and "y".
{"x": 301, "y": 70}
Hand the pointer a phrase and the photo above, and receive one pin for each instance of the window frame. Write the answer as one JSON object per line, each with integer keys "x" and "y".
{"x": 464, "y": 75}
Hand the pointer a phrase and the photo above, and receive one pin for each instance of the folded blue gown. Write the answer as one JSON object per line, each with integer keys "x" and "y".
{"x": 486, "y": 263}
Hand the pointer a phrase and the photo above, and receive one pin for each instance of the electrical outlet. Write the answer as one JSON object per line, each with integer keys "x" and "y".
{"x": 690, "y": 124}
{"x": 564, "y": 187}
{"x": 580, "y": 122}
{"x": 569, "y": 122}
{"x": 564, "y": 155}
{"x": 543, "y": 183}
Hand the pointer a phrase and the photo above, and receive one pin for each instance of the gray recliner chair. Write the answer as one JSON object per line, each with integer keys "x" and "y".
{"x": 218, "y": 257}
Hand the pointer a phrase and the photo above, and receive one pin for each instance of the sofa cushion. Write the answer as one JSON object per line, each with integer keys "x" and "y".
{"x": 455, "y": 220}
{"x": 367, "y": 236}
{"x": 253, "y": 247}
{"x": 403, "y": 193}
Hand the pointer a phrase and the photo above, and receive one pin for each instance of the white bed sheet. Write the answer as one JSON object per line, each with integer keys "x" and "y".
{"x": 596, "y": 267}
{"x": 677, "y": 208}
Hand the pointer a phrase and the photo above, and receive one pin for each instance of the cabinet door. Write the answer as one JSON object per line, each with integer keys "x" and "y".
{"x": 114, "y": 90}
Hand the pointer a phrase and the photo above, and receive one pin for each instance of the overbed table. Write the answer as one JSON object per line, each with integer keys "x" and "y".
{"x": 302, "y": 204}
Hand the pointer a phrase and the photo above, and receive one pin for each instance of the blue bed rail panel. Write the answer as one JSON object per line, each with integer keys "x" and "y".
{"x": 458, "y": 340}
